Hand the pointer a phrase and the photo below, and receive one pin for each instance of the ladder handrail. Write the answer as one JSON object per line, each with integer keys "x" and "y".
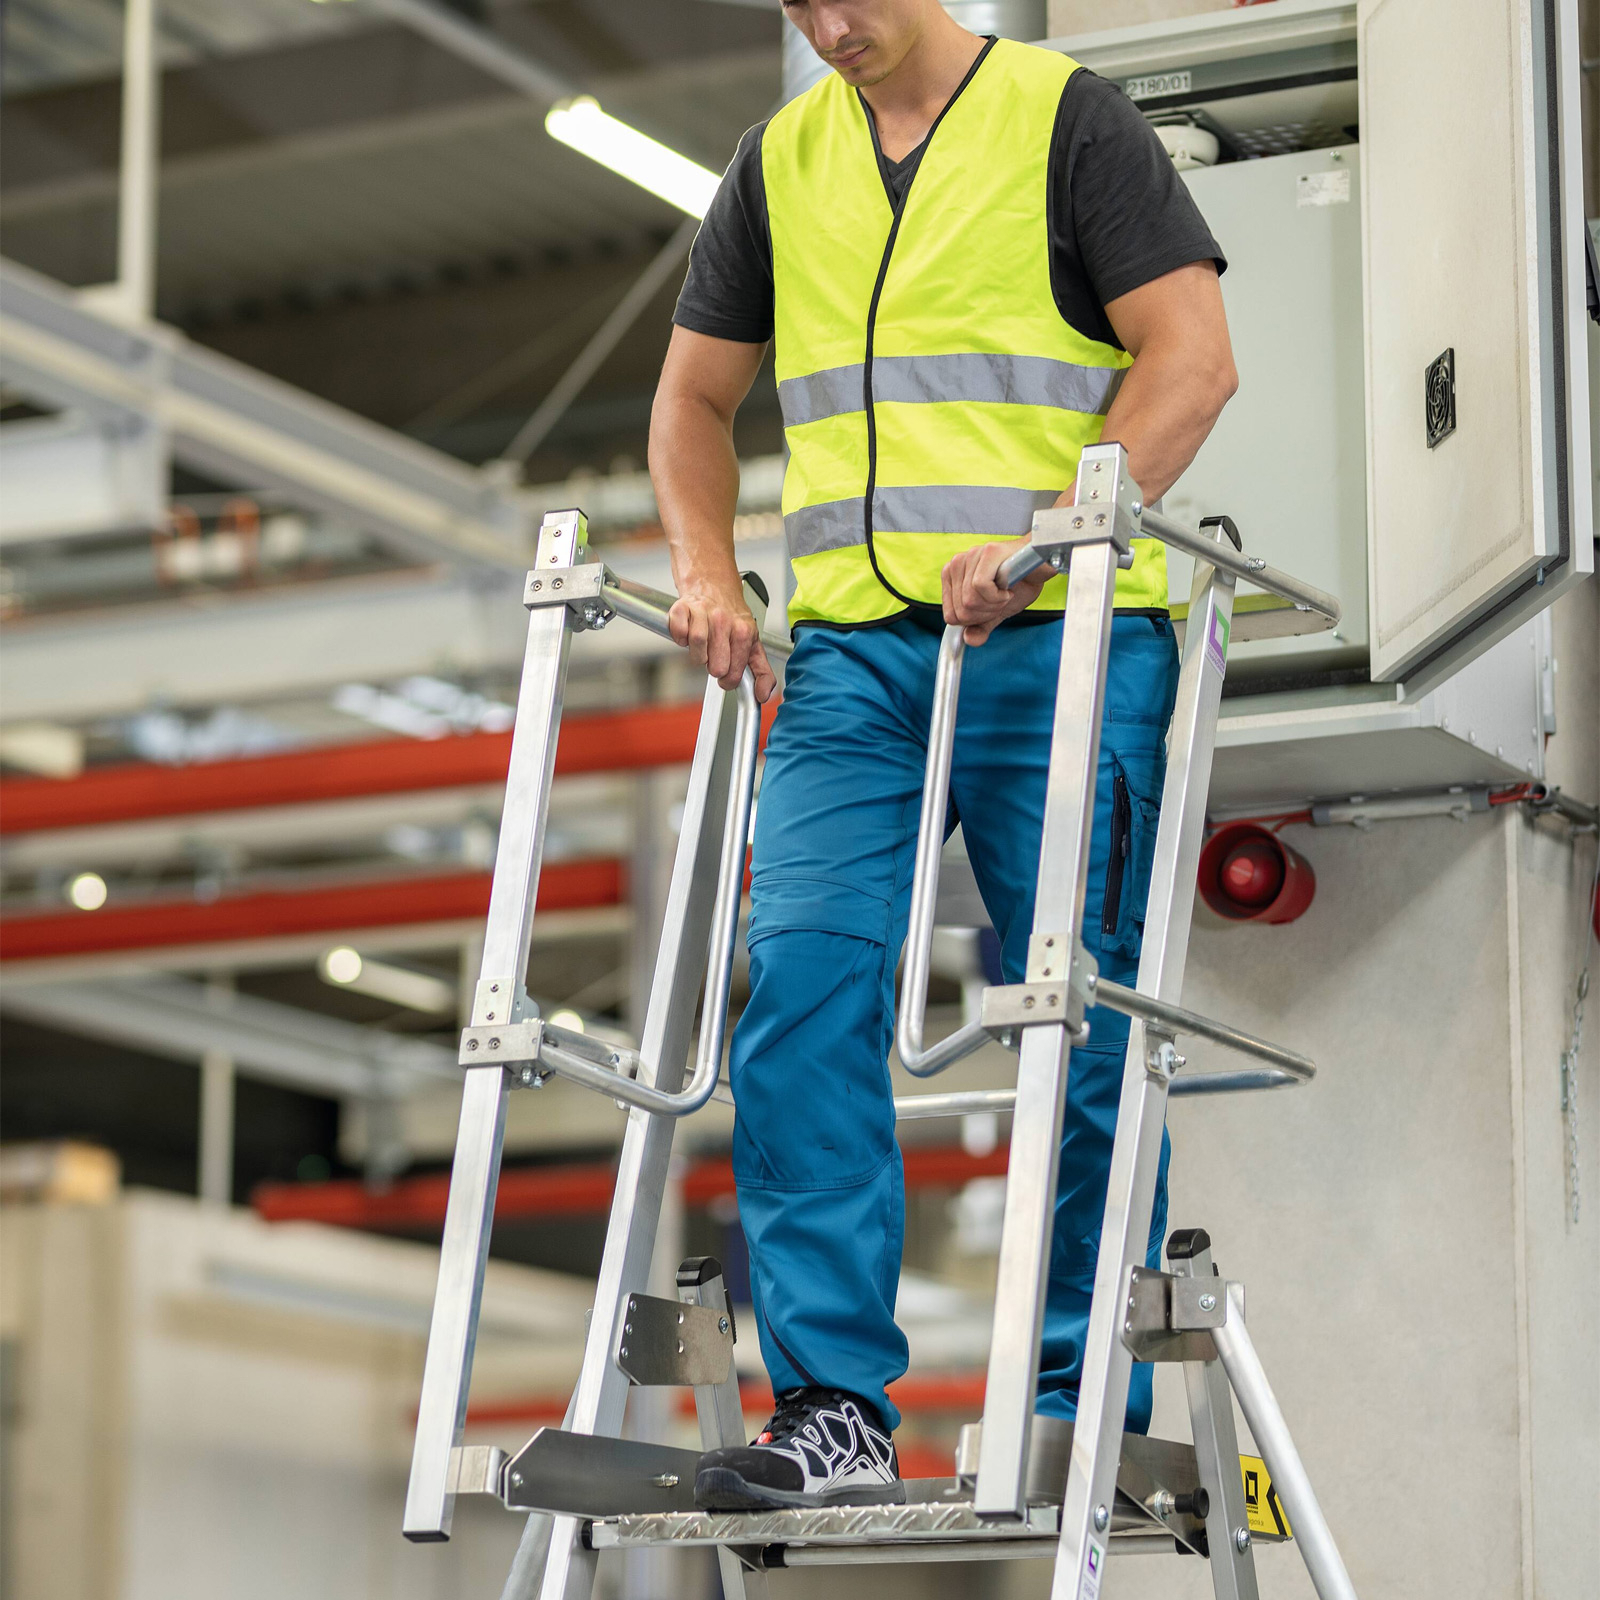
{"x": 556, "y": 1050}
{"x": 1148, "y": 524}
{"x": 648, "y": 607}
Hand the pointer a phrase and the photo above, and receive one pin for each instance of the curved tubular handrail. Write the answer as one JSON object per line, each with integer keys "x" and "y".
{"x": 1252, "y": 569}
{"x": 918, "y": 1062}
{"x": 648, "y": 607}
{"x": 1131, "y": 1003}
{"x": 558, "y": 1051}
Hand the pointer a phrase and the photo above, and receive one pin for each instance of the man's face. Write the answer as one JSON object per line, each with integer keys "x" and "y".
{"x": 862, "y": 40}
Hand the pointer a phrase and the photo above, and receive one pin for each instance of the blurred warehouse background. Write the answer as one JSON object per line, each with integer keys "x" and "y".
{"x": 302, "y": 330}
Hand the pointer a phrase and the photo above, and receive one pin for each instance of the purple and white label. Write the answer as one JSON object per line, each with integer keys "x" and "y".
{"x": 1217, "y": 632}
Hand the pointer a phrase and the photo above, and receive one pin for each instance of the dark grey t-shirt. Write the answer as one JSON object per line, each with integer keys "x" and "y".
{"x": 1119, "y": 217}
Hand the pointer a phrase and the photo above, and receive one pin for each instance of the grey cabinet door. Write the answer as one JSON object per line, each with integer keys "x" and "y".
{"x": 1479, "y": 479}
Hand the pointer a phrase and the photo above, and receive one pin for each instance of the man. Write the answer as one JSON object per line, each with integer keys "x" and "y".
{"x": 974, "y": 259}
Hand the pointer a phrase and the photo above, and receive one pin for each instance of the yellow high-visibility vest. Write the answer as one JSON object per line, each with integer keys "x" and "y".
{"x": 933, "y": 396}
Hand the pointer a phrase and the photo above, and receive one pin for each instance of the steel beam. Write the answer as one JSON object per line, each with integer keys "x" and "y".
{"x": 240, "y": 426}
{"x": 187, "y": 1021}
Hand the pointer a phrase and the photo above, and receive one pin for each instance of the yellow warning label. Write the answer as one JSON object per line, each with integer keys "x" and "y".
{"x": 1265, "y": 1514}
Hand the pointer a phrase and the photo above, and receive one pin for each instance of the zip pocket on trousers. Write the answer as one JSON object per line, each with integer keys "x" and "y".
{"x": 1117, "y": 866}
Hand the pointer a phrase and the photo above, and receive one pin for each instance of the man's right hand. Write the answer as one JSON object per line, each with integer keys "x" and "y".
{"x": 715, "y": 623}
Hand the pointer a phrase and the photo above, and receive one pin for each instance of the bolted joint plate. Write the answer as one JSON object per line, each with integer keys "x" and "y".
{"x": 673, "y": 1342}
{"x": 501, "y": 1044}
{"x": 570, "y": 586}
{"x": 1059, "y": 988}
{"x": 1025, "y": 1005}
{"x": 1169, "y": 1318}
{"x": 1106, "y": 509}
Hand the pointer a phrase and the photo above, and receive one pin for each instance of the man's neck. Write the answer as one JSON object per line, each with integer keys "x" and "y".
{"x": 907, "y": 103}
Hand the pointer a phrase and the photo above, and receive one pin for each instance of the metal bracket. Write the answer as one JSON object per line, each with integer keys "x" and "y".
{"x": 573, "y": 586}
{"x": 1024, "y": 1005}
{"x": 1059, "y": 987}
{"x": 1167, "y": 1317}
{"x": 590, "y": 1475}
{"x": 673, "y": 1342}
{"x": 503, "y": 1044}
{"x": 1106, "y": 510}
{"x": 476, "y": 1468}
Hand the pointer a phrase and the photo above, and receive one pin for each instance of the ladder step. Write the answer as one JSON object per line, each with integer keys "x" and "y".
{"x": 945, "y": 1519}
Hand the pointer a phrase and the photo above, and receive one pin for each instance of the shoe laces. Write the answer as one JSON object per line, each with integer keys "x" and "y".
{"x": 791, "y": 1412}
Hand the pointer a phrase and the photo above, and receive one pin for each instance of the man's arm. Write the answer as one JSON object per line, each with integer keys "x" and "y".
{"x": 696, "y": 475}
{"x": 1182, "y": 376}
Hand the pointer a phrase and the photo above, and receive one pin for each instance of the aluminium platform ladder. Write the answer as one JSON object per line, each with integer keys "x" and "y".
{"x": 1023, "y": 1485}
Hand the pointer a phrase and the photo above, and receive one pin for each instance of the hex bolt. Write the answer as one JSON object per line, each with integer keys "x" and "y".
{"x": 1101, "y": 1516}
{"x": 1208, "y": 1302}
{"x": 1241, "y": 1539}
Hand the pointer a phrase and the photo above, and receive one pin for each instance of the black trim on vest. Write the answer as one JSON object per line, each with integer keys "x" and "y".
{"x": 872, "y": 320}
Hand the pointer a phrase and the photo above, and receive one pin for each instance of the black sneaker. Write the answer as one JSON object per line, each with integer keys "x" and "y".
{"x": 823, "y": 1447}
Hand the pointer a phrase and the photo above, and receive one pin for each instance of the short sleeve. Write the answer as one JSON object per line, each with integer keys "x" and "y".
{"x": 1121, "y": 216}
{"x": 727, "y": 293}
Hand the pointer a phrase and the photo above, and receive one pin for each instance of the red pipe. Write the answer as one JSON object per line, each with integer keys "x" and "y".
{"x": 603, "y": 741}
{"x": 571, "y": 1189}
{"x": 272, "y": 914}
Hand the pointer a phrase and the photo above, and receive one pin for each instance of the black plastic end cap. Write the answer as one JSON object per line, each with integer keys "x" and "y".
{"x": 1186, "y": 1243}
{"x": 698, "y": 1270}
{"x": 758, "y": 583}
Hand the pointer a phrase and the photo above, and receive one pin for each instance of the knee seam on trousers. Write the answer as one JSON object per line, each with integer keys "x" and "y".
{"x": 849, "y": 1181}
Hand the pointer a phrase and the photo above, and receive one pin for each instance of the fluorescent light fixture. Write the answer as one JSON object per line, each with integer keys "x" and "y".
{"x": 382, "y": 980}
{"x": 87, "y": 891}
{"x": 582, "y": 125}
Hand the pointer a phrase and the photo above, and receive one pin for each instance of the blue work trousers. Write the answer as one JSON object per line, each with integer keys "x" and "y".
{"x": 821, "y": 1194}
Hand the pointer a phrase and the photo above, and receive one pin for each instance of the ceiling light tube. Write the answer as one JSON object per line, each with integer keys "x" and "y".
{"x": 582, "y": 125}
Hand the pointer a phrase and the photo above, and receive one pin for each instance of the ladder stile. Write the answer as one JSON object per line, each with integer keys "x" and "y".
{"x": 647, "y": 1142}
{"x": 500, "y": 997}
{"x": 1141, "y": 1113}
{"x": 1216, "y": 1448}
{"x": 1013, "y": 1375}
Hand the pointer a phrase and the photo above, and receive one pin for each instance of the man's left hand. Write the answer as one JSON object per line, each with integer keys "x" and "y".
{"x": 973, "y": 596}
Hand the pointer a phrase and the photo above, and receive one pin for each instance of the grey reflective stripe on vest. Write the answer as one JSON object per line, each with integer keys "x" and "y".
{"x": 974, "y": 376}
{"x": 938, "y": 508}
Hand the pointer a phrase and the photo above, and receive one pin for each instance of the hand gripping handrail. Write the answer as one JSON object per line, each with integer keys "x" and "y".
{"x": 1284, "y": 1068}
{"x": 559, "y": 1049}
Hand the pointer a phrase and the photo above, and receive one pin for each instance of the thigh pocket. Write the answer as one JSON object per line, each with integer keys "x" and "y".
{"x": 1135, "y": 813}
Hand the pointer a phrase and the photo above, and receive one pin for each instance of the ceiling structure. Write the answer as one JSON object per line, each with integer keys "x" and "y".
{"x": 357, "y": 198}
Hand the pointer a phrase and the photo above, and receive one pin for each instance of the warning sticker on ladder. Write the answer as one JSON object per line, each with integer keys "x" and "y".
{"x": 1263, "y": 1512}
{"x": 1093, "y": 1571}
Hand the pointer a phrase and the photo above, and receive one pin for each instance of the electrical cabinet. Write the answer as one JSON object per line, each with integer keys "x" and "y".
{"x": 1400, "y": 202}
